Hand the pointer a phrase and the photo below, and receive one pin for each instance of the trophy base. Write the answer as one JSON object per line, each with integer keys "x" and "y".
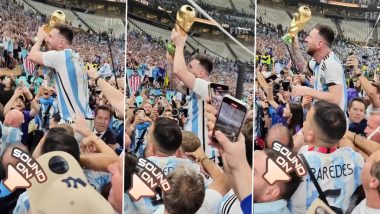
{"x": 288, "y": 39}
{"x": 170, "y": 48}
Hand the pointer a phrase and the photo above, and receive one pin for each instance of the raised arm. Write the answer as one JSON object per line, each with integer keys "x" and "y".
{"x": 179, "y": 66}
{"x": 365, "y": 83}
{"x": 300, "y": 61}
{"x": 35, "y": 54}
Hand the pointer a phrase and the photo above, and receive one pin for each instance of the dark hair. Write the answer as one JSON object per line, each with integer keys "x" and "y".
{"x": 326, "y": 32}
{"x": 330, "y": 119}
{"x": 66, "y": 31}
{"x": 56, "y": 117}
{"x": 167, "y": 134}
{"x": 130, "y": 163}
{"x": 247, "y": 132}
{"x": 104, "y": 108}
{"x": 357, "y": 99}
{"x": 205, "y": 62}
{"x": 297, "y": 117}
{"x": 288, "y": 187}
{"x": 57, "y": 139}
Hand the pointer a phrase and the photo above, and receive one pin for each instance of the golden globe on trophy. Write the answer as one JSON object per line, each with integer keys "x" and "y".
{"x": 299, "y": 20}
{"x": 56, "y": 17}
{"x": 185, "y": 19}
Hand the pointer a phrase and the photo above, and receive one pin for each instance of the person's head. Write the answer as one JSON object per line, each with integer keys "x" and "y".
{"x": 325, "y": 124}
{"x": 8, "y": 82}
{"x": 168, "y": 113}
{"x": 319, "y": 39}
{"x": 370, "y": 176}
{"x": 19, "y": 103}
{"x": 190, "y": 142}
{"x": 54, "y": 120}
{"x": 200, "y": 66}
{"x": 58, "y": 139}
{"x": 294, "y": 113}
{"x": 147, "y": 108}
{"x": 165, "y": 135}
{"x": 14, "y": 118}
{"x": 187, "y": 191}
{"x": 60, "y": 37}
{"x": 247, "y": 132}
{"x": 356, "y": 110}
{"x": 279, "y": 133}
{"x": 103, "y": 114}
{"x": 46, "y": 93}
{"x": 115, "y": 196}
{"x": 264, "y": 192}
{"x": 372, "y": 124}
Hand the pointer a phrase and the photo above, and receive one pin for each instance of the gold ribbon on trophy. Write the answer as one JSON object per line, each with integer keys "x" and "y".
{"x": 56, "y": 17}
{"x": 299, "y": 20}
{"x": 185, "y": 19}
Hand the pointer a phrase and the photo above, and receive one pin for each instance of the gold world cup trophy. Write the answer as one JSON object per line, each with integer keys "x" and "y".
{"x": 56, "y": 17}
{"x": 299, "y": 20}
{"x": 185, "y": 19}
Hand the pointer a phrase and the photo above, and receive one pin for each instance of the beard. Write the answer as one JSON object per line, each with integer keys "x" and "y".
{"x": 311, "y": 51}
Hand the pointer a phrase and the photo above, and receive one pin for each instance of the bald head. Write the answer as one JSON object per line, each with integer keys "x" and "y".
{"x": 278, "y": 133}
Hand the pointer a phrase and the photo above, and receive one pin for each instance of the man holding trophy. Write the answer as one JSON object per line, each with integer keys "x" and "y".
{"x": 70, "y": 79}
{"x": 194, "y": 76}
{"x": 329, "y": 79}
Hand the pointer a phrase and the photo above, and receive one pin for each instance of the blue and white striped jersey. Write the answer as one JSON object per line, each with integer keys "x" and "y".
{"x": 339, "y": 171}
{"x": 71, "y": 82}
{"x": 328, "y": 73}
{"x": 9, "y": 135}
{"x": 197, "y": 122}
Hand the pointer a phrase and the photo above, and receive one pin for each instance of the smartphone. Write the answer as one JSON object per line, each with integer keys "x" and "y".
{"x": 231, "y": 117}
{"x": 217, "y": 91}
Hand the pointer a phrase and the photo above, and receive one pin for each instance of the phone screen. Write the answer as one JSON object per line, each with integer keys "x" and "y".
{"x": 217, "y": 92}
{"x": 230, "y": 118}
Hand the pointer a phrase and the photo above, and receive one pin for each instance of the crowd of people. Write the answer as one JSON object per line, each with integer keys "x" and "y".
{"x": 169, "y": 121}
{"x": 317, "y": 97}
{"x": 68, "y": 107}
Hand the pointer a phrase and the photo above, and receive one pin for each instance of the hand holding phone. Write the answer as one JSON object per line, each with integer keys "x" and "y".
{"x": 231, "y": 117}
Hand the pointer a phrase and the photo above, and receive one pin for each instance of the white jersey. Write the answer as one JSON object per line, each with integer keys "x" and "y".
{"x": 327, "y": 73}
{"x": 70, "y": 82}
{"x": 230, "y": 204}
{"x": 363, "y": 209}
{"x": 338, "y": 171}
{"x": 197, "y": 122}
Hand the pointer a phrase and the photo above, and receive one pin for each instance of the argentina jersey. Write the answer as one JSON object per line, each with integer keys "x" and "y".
{"x": 339, "y": 172}
{"x": 197, "y": 122}
{"x": 71, "y": 82}
{"x": 328, "y": 73}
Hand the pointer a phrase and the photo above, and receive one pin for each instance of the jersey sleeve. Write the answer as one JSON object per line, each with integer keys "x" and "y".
{"x": 50, "y": 58}
{"x": 201, "y": 88}
{"x": 334, "y": 74}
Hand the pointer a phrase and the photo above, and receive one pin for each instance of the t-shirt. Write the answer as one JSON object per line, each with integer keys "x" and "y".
{"x": 71, "y": 82}
{"x": 230, "y": 204}
{"x": 279, "y": 206}
{"x": 197, "y": 121}
{"x": 327, "y": 73}
{"x": 363, "y": 209}
{"x": 338, "y": 171}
